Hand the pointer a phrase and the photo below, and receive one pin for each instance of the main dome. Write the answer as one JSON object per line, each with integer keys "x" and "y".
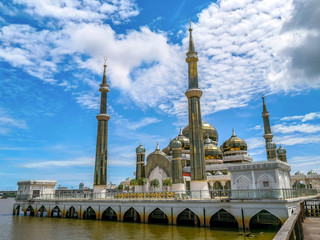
{"x": 207, "y": 130}
{"x": 234, "y": 144}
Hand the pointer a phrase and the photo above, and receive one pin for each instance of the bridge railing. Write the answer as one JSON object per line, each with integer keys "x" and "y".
{"x": 312, "y": 208}
{"x": 226, "y": 194}
{"x": 292, "y": 228}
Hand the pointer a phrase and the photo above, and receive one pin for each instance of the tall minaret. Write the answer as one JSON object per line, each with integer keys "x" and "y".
{"x": 100, "y": 171}
{"x": 271, "y": 147}
{"x": 266, "y": 123}
{"x": 194, "y": 93}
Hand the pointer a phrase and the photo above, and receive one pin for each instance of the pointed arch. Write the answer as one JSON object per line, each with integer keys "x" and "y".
{"x": 217, "y": 185}
{"x": 227, "y": 185}
{"x": 89, "y": 213}
{"x": 29, "y": 211}
{"x": 17, "y": 210}
{"x": 56, "y": 212}
{"x": 109, "y": 215}
{"x": 131, "y": 215}
{"x": 242, "y": 183}
{"x": 42, "y": 212}
{"x": 223, "y": 219}
{"x": 72, "y": 213}
{"x": 188, "y": 217}
{"x": 264, "y": 219}
{"x": 158, "y": 216}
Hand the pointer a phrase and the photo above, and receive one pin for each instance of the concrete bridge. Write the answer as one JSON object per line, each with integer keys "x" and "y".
{"x": 238, "y": 214}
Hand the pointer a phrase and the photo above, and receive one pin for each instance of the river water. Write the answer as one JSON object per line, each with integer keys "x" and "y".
{"x": 36, "y": 228}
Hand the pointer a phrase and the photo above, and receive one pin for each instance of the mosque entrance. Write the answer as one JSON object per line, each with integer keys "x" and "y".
{"x": 131, "y": 216}
{"x": 158, "y": 216}
{"x": 89, "y": 213}
{"x": 109, "y": 215}
{"x": 223, "y": 219}
{"x": 71, "y": 213}
{"x": 42, "y": 212}
{"x": 29, "y": 211}
{"x": 189, "y": 218}
{"x": 56, "y": 212}
{"x": 265, "y": 220}
{"x": 17, "y": 211}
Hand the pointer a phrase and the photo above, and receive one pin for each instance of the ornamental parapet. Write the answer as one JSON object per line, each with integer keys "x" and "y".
{"x": 194, "y": 92}
{"x": 103, "y": 116}
{"x": 268, "y": 135}
{"x": 104, "y": 88}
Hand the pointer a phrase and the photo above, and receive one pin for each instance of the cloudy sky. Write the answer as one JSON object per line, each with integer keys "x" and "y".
{"x": 51, "y": 61}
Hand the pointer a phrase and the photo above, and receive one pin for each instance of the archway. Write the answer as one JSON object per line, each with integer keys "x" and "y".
{"x": 72, "y": 213}
{"x": 42, "y": 212}
{"x": 89, "y": 213}
{"x": 217, "y": 186}
{"x": 265, "y": 220}
{"x": 131, "y": 216}
{"x": 158, "y": 216}
{"x": 187, "y": 217}
{"x": 227, "y": 185}
{"x": 56, "y": 212}
{"x": 223, "y": 219}
{"x": 29, "y": 211}
{"x": 17, "y": 211}
{"x": 109, "y": 215}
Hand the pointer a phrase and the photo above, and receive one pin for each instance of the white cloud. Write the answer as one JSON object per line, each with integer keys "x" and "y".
{"x": 85, "y": 10}
{"x": 143, "y": 122}
{"x": 302, "y": 118}
{"x": 303, "y": 128}
{"x": 239, "y": 44}
{"x": 83, "y": 161}
{"x": 8, "y": 123}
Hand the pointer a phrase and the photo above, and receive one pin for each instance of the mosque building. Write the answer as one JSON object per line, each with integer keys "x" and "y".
{"x": 179, "y": 161}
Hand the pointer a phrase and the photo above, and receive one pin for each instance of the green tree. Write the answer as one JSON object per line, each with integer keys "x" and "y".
{"x": 167, "y": 183}
{"x": 154, "y": 183}
{"x": 126, "y": 187}
{"x": 120, "y": 187}
{"x": 142, "y": 181}
{"x": 133, "y": 183}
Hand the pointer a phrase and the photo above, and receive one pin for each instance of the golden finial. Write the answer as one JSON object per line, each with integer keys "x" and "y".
{"x": 105, "y": 60}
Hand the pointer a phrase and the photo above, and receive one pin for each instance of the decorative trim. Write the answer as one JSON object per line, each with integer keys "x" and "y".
{"x": 193, "y": 92}
{"x": 103, "y": 116}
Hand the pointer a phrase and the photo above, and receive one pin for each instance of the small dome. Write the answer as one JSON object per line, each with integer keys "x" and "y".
{"x": 176, "y": 144}
{"x": 312, "y": 172}
{"x": 211, "y": 151}
{"x": 209, "y": 174}
{"x": 128, "y": 178}
{"x": 140, "y": 149}
{"x": 184, "y": 141}
{"x": 299, "y": 173}
{"x": 167, "y": 149}
{"x": 234, "y": 144}
{"x": 271, "y": 145}
{"x": 218, "y": 173}
{"x": 207, "y": 130}
{"x": 281, "y": 150}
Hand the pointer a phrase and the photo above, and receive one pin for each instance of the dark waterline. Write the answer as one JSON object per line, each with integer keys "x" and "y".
{"x": 36, "y": 228}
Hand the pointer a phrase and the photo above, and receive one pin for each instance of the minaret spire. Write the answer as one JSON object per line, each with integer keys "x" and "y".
{"x": 100, "y": 172}
{"x": 194, "y": 93}
{"x": 271, "y": 147}
{"x": 266, "y": 122}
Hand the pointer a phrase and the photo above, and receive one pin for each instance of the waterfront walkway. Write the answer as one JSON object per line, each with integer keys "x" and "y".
{"x": 311, "y": 228}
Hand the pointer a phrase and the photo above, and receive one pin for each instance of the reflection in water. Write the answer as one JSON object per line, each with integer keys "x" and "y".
{"x": 24, "y": 227}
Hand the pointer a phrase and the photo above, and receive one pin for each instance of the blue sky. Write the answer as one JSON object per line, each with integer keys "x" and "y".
{"x": 51, "y": 61}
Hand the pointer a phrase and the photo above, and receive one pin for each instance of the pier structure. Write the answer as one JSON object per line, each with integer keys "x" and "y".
{"x": 239, "y": 214}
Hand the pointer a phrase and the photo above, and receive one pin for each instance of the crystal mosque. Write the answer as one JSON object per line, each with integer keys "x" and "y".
{"x": 198, "y": 182}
